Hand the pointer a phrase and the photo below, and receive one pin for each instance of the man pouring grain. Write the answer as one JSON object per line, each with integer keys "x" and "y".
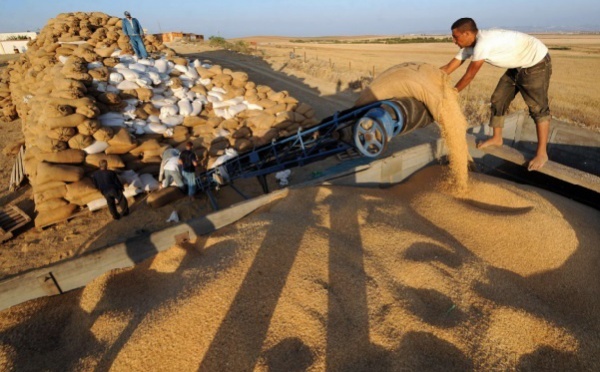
{"x": 111, "y": 187}
{"x": 133, "y": 29}
{"x": 528, "y": 72}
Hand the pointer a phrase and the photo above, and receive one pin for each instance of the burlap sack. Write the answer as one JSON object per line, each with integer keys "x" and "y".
{"x": 147, "y": 145}
{"x": 144, "y": 94}
{"x": 89, "y": 127}
{"x": 261, "y": 122}
{"x": 78, "y": 189}
{"x": 70, "y": 121}
{"x": 421, "y": 81}
{"x": 122, "y": 137}
{"x": 85, "y": 199}
{"x": 243, "y": 132}
{"x": 104, "y": 52}
{"x": 61, "y": 134}
{"x": 80, "y": 141}
{"x": 110, "y": 99}
{"x": 110, "y": 62}
{"x": 114, "y": 161}
{"x": 193, "y": 121}
{"x": 120, "y": 149}
{"x": 46, "y": 144}
{"x": 103, "y": 134}
{"x": 69, "y": 156}
{"x": 150, "y": 109}
{"x": 47, "y": 172}
{"x": 50, "y": 193}
{"x": 51, "y": 204}
{"x": 99, "y": 74}
{"x": 55, "y": 215}
{"x": 58, "y": 111}
{"x": 243, "y": 145}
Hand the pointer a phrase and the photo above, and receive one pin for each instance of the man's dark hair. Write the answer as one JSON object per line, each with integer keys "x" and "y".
{"x": 189, "y": 144}
{"x": 103, "y": 164}
{"x": 465, "y": 24}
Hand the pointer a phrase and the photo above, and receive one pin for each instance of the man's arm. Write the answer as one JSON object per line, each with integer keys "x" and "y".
{"x": 117, "y": 181}
{"x": 452, "y": 65}
{"x": 472, "y": 70}
{"x": 139, "y": 25}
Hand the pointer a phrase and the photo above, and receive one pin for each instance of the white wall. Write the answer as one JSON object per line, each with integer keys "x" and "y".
{"x": 7, "y": 46}
{"x": 4, "y": 36}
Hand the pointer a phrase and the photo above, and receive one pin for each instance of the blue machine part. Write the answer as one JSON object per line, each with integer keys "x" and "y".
{"x": 389, "y": 116}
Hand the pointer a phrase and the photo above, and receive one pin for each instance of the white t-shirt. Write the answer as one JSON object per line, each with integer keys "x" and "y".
{"x": 172, "y": 164}
{"x": 506, "y": 49}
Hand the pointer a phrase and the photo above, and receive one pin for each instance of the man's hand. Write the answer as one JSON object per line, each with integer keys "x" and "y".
{"x": 451, "y": 66}
{"x": 472, "y": 70}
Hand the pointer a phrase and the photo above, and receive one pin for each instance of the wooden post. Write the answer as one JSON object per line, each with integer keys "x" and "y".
{"x": 304, "y": 56}
{"x": 349, "y": 65}
{"x": 330, "y": 62}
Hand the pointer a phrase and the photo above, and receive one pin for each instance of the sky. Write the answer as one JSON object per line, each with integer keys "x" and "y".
{"x": 236, "y": 18}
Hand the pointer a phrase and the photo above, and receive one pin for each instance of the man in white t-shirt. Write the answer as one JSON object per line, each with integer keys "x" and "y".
{"x": 528, "y": 72}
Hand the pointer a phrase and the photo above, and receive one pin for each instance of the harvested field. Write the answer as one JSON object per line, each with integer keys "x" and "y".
{"x": 344, "y": 279}
{"x": 573, "y": 89}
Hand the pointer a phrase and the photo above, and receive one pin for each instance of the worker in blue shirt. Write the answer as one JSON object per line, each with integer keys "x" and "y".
{"x": 133, "y": 29}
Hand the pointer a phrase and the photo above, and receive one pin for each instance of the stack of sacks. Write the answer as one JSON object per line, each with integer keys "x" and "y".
{"x": 82, "y": 97}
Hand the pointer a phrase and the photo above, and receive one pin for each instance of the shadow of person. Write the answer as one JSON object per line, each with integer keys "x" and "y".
{"x": 546, "y": 358}
{"x": 348, "y": 345}
{"x": 423, "y": 351}
{"x": 238, "y": 342}
{"x": 32, "y": 343}
{"x": 290, "y": 355}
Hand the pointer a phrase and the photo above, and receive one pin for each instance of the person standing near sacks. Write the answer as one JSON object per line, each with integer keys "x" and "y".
{"x": 528, "y": 72}
{"x": 133, "y": 29}
{"x": 189, "y": 162}
{"x": 111, "y": 187}
{"x": 169, "y": 169}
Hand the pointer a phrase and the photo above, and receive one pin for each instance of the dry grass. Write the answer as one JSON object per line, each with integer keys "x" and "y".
{"x": 574, "y": 91}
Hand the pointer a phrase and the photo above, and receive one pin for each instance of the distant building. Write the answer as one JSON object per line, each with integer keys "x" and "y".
{"x": 12, "y": 42}
{"x": 168, "y": 37}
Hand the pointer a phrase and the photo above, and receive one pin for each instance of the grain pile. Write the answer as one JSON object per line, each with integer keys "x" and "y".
{"x": 336, "y": 278}
{"x": 431, "y": 86}
{"x": 83, "y": 97}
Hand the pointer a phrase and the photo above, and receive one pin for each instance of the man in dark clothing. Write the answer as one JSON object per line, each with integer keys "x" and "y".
{"x": 189, "y": 162}
{"x": 111, "y": 187}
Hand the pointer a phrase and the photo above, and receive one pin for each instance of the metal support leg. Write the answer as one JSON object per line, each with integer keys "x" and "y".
{"x": 238, "y": 191}
{"x": 212, "y": 199}
{"x": 262, "y": 179}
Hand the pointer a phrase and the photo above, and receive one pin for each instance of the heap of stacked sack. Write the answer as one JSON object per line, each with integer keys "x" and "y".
{"x": 83, "y": 96}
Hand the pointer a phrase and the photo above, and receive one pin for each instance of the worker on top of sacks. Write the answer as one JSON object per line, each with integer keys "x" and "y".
{"x": 133, "y": 29}
{"x": 528, "y": 72}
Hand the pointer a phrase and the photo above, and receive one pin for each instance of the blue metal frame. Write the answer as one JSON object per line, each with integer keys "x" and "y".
{"x": 304, "y": 147}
